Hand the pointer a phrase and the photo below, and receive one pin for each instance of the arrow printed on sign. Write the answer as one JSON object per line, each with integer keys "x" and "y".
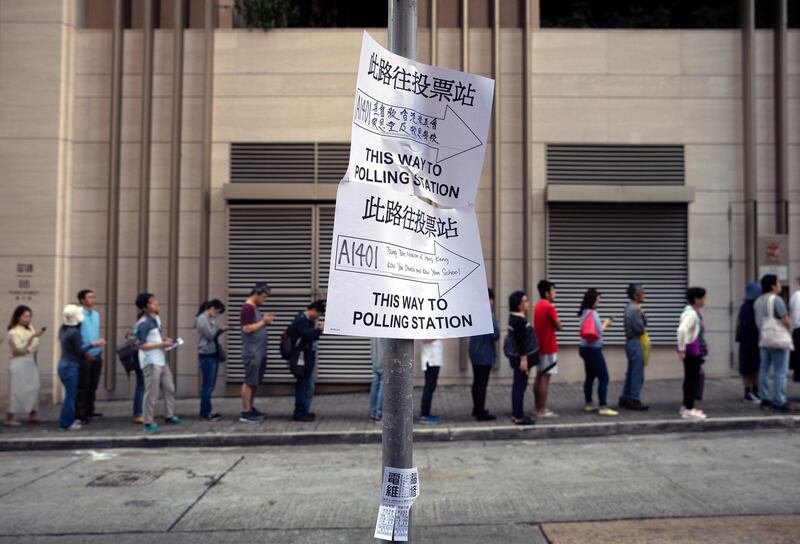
{"x": 448, "y": 135}
{"x": 442, "y": 267}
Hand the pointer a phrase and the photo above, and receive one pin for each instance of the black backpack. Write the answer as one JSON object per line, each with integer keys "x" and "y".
{"x": 128, "y": 353}
{"x": 289, "y": 345}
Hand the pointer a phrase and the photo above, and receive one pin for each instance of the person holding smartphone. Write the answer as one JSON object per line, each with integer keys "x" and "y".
{"x": 591, "y": 351}
{"x": 23, "y": 374}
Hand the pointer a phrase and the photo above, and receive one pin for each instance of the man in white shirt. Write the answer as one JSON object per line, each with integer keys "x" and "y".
{"x": 794, "y": 314}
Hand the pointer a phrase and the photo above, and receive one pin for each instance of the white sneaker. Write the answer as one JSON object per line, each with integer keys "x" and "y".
{"x": 693, "y": 415}
{"x": 682, "y": 411}
{"x": 75, "y": 427}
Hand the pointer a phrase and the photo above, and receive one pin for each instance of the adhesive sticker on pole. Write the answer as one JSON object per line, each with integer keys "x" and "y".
{"x": 418, "y": 128}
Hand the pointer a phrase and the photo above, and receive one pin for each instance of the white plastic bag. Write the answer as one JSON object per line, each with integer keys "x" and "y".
{"x": 773, "y": 334}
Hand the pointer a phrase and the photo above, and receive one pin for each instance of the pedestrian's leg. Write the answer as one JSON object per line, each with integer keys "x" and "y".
{"x": 299, "y": 398}
{"x": 138, "y": 395}
{"x": 70, "y": 376}
{"x": 168, "y": 387}
{"x": 763, "y": 375}
{"x": 204, "y": 364}
{"x": 310, "y": 385}
{"x": 431, "y": 372}
{"x": 691, "y": 377}
{"x": 474, "y": 390}
{"x": 380, "y": 393}
{"x": 373, "y": 393}
{"x": 152, "y": 377}
{"x": 637, "y": 371}
{"x": 542, "y": 384}
{"x": 81, "y": 408}
{"x": 96, "y": 369}
{"x": 588, "y": 381}
{"x": 482, "y": 374}
{"x": 602, "y": 379}
{"x": 781, "y": 366}
{"x": 626, "y": 388}
{"x": 518, "y": 393}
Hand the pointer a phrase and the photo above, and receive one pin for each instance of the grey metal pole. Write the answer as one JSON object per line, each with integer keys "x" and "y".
{"x": 496, "y": 137}
{"x": 781, "y": 121}
{"x": 112, "y": 224}
{"x": 146, "y": 137}
{"x": 398, "y": 373}
{"x": 175, "y": 178}
{"x": 527, "y": 219}
{"x": 208, "y": 113}
{"x": 748, "y": 126}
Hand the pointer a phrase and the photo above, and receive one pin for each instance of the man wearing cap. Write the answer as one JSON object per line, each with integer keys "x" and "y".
{"x": 254, "y": 349}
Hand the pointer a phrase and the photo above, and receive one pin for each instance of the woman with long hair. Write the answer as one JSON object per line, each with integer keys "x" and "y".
{"x": 23, "y": 374}
{"x": 208, "y": 354}
{"x": 591, "y": 351}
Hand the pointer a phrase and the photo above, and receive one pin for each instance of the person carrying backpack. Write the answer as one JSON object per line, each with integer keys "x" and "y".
{"x": 305, "y": 331}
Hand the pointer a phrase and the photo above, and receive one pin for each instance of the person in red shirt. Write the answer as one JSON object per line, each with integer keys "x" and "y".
{"x": 545, "y": 325}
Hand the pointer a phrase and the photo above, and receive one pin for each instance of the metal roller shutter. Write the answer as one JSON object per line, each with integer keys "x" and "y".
{"x": 609, "y": 246}
{"x": 271, "y": 162}
{"x": 601, "y": 164}
{"x": 288, "y": 247}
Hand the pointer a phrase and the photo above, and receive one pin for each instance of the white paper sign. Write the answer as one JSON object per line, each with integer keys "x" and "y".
{"x": 418, "y": 128}
{"x": 399, "y": 490}
{"x": 402, "y": 268}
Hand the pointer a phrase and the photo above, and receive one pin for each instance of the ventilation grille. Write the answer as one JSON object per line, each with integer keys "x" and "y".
{"x": 288, "y": 162}
{"x": 615, "y": 164}
{"x": 608, "y": 247}
{"x": 277, "y": 244}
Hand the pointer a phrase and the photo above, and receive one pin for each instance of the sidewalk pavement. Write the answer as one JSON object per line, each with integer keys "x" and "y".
{"x": 343, "y": 418}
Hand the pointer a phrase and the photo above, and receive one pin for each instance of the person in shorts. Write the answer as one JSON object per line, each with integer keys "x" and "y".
{"x": 254, "y": 349}
{"x": 545, "y": 325}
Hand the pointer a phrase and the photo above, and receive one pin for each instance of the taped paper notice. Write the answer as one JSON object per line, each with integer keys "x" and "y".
{"x": 399, "y": 490}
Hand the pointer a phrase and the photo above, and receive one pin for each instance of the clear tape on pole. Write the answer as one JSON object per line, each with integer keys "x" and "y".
{"x": 399, "y": 490}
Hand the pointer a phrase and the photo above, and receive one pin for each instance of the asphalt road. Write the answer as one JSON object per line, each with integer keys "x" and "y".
{"x": 470, "y": 491}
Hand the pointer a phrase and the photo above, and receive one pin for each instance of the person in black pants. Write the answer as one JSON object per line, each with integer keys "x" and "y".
{"x": 483, "y": 356}
{"x": 692, "y": 350}
{"x": 92, "y": 364}
{"x": 521, "y": 331}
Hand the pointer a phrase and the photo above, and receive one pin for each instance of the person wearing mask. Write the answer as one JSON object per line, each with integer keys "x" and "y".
{"x": 774, "y": 358}
{"x": 635, "y": 329}
{"x": 92, "y": 366}
{"x": 376, "y": 389}
{"x": 73, "y": 355}
{"x": 153, "y": 360}
{"x": 591, "y": 351}
{"x": 254, "y": 349}
{"x": 431, "y": 356}
{"x": 208, "y": 358}
{"x": 523, "y": 343}
{"x": 794, "y": 315}
{"x": 483, "y": 356}
{"x": 545, "y": 325}
{"x": 692, "y": 350}
{"x": 23, "y": 374}
{"x": 747, "y": 337}
{"x": 306, "y": 329}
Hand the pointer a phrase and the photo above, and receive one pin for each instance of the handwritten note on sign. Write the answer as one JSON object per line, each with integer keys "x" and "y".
{"x": 418, "y": 128}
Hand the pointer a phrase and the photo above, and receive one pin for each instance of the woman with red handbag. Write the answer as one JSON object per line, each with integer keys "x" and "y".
{"x": 591, "y": 351}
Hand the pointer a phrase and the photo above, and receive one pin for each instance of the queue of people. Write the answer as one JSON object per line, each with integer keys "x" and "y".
{"x": 766, "y": 330}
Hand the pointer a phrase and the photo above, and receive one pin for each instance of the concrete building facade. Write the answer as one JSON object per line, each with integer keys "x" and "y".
{"x": 564, "y": 95}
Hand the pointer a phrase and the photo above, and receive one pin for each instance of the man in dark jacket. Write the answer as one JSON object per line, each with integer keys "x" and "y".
{"x": 747, "y": 336}
{"x": 483, "y": 356}
{"x": 305, "y": 330}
